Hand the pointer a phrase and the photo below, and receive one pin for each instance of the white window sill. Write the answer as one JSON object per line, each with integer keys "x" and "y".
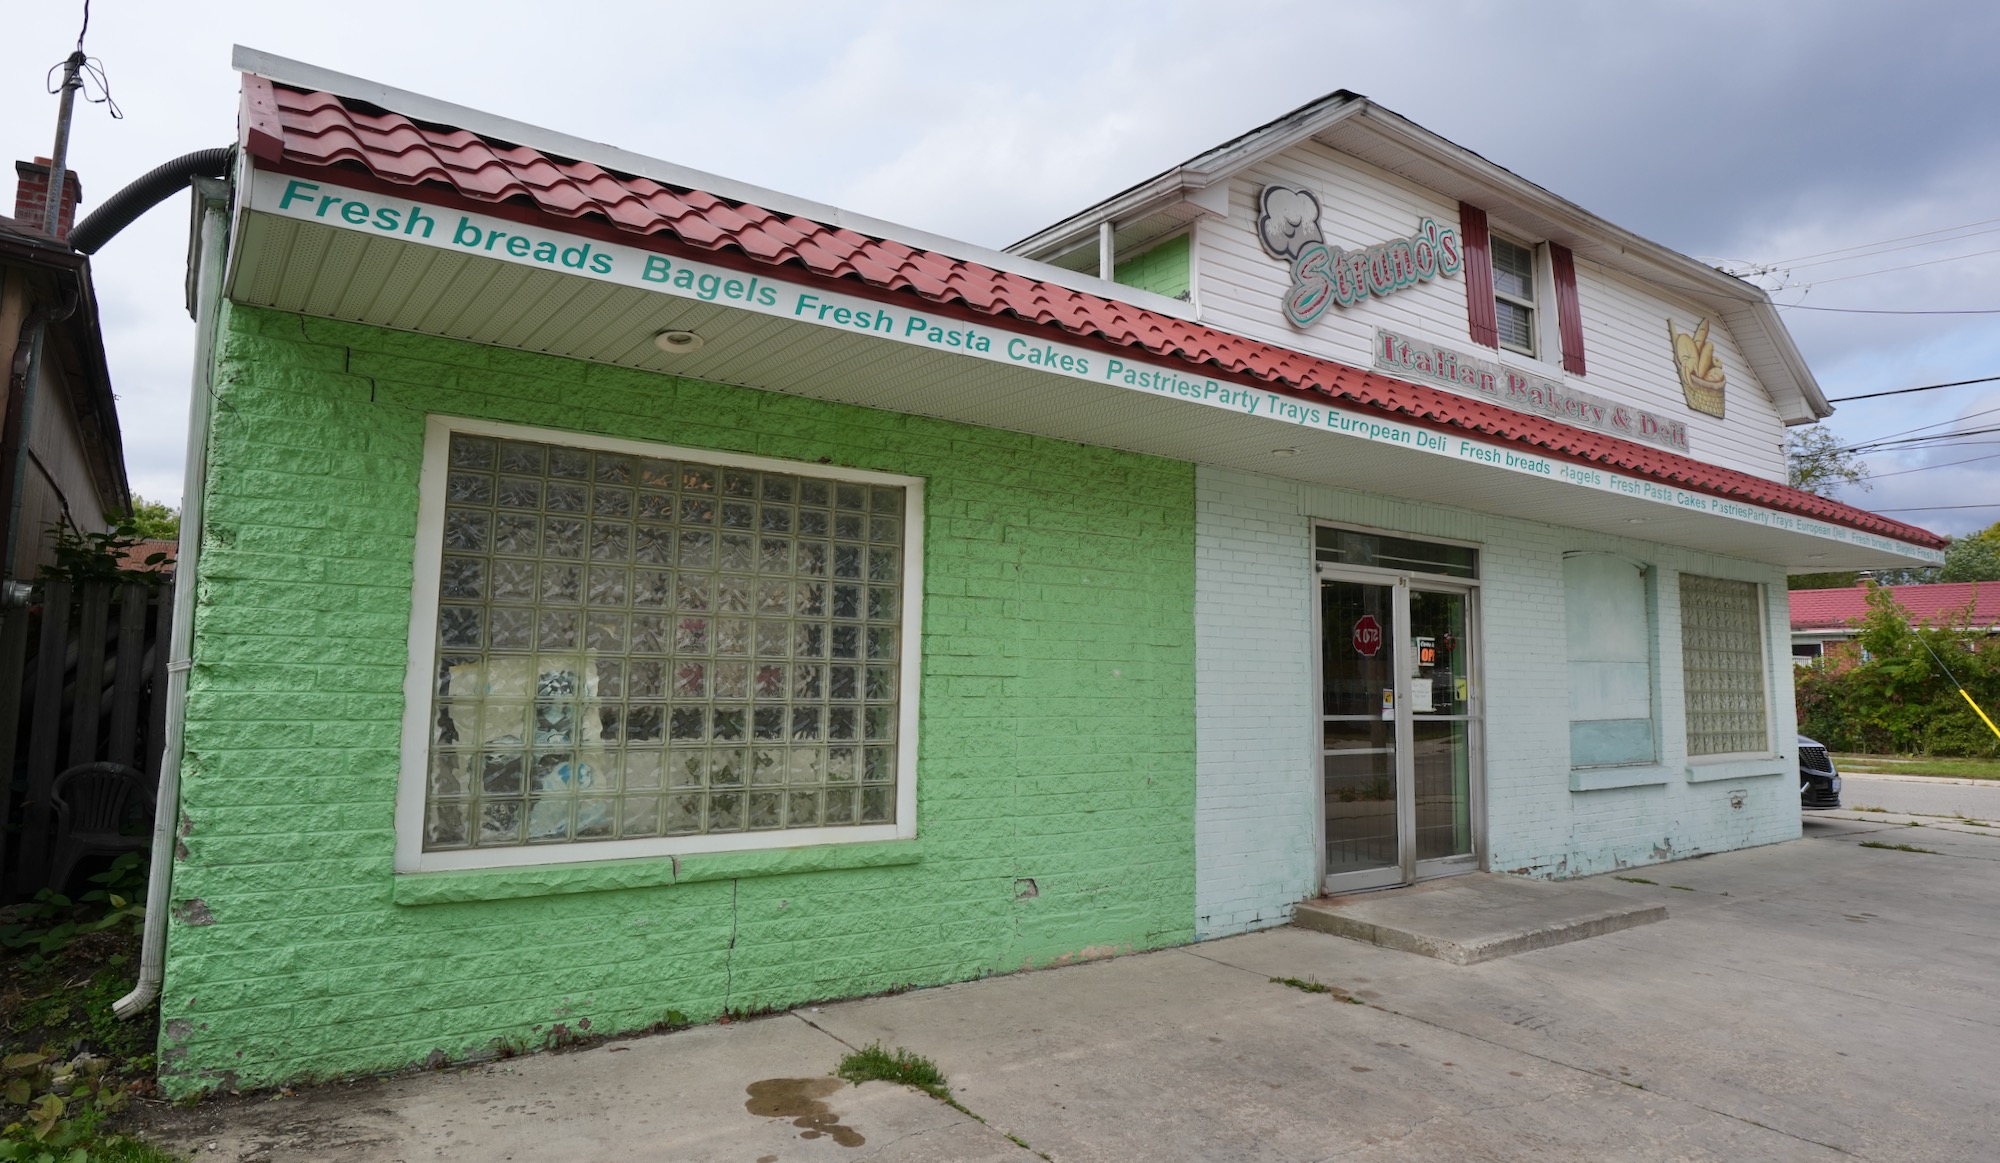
{"x": 1633, "y": 775}
{"x": 1744, "y": 767}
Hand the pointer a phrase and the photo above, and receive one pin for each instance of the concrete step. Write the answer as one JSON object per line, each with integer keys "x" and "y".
{"x": 1476, "y": 917}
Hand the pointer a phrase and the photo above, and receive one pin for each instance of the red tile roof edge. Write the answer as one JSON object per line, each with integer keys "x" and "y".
{"x": 1834, "y": 609}
{"x": 320, "y": 131}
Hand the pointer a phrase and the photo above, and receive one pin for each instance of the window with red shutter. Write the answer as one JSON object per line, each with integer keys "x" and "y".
{"x": 1479, "y": 304}
{"x": 1569, "y": 309}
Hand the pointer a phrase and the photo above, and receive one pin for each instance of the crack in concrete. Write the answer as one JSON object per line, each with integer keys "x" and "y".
{"x": 957, "y": 1106}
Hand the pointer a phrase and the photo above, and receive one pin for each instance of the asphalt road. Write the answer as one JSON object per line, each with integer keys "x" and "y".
{"x": 1980, "y": 801}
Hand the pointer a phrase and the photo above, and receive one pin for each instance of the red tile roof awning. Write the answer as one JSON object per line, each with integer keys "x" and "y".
{"x": 308, "y": 132}
{"x": 1837, "y": 609}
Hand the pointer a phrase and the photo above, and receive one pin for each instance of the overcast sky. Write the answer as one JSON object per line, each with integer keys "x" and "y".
{"x": 1729, "y": 130}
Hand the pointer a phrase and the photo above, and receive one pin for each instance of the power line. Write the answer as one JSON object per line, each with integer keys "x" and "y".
{"x": 1904, "y": 267}
{"x": 1928, "y": 467}
{"x": 1874, "y": 311}
{"x": 1936, "y": 438}
{"x": 1935, "y": 508}
{"x": 1885, "y": 241}
{"x": 1793, "y": 266}
{"x": 1934, "y": 424}
{"x": 1906, "y": 391}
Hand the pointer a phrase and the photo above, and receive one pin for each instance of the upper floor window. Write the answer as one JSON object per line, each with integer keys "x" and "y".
{"x": 1514, "y": 295}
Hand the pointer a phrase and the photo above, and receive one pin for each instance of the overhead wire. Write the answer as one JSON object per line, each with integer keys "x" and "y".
{"x": 1907, "y": 391}
{"x": 1880, "y": 311}
{"x": 1883, "y": 242}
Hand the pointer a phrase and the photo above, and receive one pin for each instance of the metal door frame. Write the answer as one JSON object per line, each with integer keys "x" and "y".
{"x": 1407, "y": 869}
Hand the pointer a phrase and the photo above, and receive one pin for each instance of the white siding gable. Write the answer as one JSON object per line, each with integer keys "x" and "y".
{"x": 1628, "y": 353}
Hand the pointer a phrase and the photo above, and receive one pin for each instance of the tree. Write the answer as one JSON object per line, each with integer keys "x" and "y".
{"x": 1817, "y": 462}
{"x": 1973, "y": 559}
{"x": 154, "y": 521}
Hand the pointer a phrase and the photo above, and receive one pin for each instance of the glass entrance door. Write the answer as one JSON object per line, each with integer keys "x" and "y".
{"x": 1398, "y": 726}
{"x": 1359, "y": 734}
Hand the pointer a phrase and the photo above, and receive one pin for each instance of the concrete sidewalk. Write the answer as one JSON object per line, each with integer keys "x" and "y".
{"x": 1812, "y": 1000}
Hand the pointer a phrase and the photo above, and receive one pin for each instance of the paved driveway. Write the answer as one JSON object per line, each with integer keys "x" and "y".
{"x": 1978, "y": 799}
{"x": 1812, "y": 1000}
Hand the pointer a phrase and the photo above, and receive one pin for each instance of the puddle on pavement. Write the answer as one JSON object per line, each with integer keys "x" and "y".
{"x": 799, "y": 1099}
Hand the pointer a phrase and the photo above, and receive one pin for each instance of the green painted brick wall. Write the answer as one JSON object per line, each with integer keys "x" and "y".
{"x": 1057, "y": 737}
{"x": 1164, "y": 270}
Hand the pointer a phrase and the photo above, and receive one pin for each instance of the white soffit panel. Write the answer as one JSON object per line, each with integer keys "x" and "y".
{"x": 317, "y": 270}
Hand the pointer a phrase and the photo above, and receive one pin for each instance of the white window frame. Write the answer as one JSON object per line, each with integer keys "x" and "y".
{"x": 419, "y": 685}
{"x": 1533, "y": 306}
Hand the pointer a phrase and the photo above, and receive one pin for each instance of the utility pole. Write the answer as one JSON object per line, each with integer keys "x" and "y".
{"x": 59, "y": 158}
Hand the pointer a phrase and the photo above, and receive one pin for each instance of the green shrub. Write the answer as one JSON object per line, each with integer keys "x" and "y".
{"x": 1891, "y": 692}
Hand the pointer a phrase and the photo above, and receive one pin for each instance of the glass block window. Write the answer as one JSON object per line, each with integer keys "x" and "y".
{"x": 1514, "y": 295}
{"x": 1722, "y": 651}
{"x": 632, "y": 647}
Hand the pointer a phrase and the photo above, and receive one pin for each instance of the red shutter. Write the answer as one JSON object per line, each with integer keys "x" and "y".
{"x": 1479, "y": 312}
{"x": 1569, "y": 311}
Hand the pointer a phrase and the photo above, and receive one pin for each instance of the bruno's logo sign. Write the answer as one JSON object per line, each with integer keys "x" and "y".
{"x": 1322, "y": 275}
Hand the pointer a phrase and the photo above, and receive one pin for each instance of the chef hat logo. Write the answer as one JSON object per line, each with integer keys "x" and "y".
{"x": 1290, "y": 219}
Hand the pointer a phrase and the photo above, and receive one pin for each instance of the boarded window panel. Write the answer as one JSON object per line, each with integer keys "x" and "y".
{"x": 1609, "y": 632}
{"x": 1478, "y": 275}
{"x": 1569, "y": 308}
{"x": 1722, "y": 654}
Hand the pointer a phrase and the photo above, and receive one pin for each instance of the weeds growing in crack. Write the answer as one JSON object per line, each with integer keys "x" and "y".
{"x": 1306, "y": 986}
{"x": 874, "y": 1064}
{"x": 1900, "y": 847}
{"x": 1635, "y": 880}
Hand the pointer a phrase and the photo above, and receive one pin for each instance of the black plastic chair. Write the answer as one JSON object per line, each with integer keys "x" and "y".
{"x": 91, "y": 802}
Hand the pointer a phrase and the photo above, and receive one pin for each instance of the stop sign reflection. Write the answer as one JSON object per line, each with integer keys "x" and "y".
{"x": 1367, "y": 636}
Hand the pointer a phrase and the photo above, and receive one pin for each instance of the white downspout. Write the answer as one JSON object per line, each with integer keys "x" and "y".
{"x": 211, "y": 248}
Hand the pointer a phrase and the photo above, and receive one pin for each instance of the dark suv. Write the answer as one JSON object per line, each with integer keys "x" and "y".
{"x": 1819, "y": 783}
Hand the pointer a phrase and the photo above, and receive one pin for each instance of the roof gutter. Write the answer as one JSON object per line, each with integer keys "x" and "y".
{"x": 211, "y": 207}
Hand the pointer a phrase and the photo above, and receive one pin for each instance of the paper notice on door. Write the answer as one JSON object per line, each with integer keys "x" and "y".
{"x": 1459, "y": 688}
{"x": 1420, "y": 697}
{"x": 1388, "y": 704}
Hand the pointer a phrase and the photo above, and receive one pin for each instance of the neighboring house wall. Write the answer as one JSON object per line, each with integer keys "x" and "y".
{"x": 1258, "y": 771}
{"x": 1629, "y": 353}
{"x": 1056, "y": 780}
{"x": 57, "y": 483}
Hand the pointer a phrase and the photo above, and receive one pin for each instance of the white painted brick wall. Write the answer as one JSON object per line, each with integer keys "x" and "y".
{"x": 1255, "y": 792}
{"x": 1256, "y": 770}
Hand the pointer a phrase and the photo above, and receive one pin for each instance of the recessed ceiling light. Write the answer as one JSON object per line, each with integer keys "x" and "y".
{"x": 678, "y": 342}
{"x": 1284, "y": 452}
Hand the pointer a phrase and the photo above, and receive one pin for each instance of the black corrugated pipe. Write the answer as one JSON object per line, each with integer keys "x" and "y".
{"x": 124, "y": 207}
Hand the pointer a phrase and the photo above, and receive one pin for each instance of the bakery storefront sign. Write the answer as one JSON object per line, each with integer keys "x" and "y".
{"x": 1414, "y": 359}
{"x": 1288, "y": 227}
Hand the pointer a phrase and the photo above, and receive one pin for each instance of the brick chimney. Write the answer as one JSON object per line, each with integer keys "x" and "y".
{"x": 31, "y": 199}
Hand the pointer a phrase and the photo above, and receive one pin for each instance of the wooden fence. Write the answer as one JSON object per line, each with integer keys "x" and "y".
{"x": 83, "y": 678}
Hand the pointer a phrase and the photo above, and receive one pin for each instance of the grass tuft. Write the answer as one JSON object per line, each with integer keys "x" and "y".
{"x": 1302, "y": 984}
{"x": 1635, "y": 880}
{"x": 1900, "y": 847}
{"x": 874, "y": 1064}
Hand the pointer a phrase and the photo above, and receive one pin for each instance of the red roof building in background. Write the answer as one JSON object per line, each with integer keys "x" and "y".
{"x": 1820, "y": 617}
